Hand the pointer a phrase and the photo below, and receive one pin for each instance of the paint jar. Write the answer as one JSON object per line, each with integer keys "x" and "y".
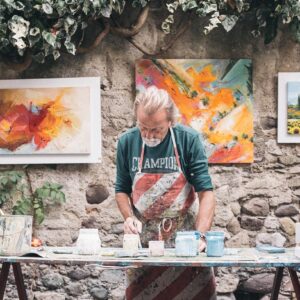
{"x": 186, "y": 243}
{"x": 198, "y": 236}
{"x": 131, "y": 242}
{"x": 157, "y": 248}
{"x": 88, "y": 242}
{"x": 214, "y": 243}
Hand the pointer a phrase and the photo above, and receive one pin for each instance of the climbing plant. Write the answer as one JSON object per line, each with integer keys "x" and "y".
{"x": 16, "y": 185}
{"x": 43, "y": 29}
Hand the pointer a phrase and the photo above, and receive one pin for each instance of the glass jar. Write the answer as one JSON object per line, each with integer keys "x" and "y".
{"x": 214, "y": 243}
{"x": 88, "y": 242}
{"x": 186, "y": 243}
{"x": 131, "y": 242}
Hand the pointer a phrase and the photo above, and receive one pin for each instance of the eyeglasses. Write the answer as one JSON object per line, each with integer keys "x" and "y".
{"x": 156, "y": 130}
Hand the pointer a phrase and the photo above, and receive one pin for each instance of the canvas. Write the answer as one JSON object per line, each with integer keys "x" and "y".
{"x": 293, "y": 114}
{"x": 214, "y": 96}
{"x": 288, "y": 130}
{"x": 49, "y": 118}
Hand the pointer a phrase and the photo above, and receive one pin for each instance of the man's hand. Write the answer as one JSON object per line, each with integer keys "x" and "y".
{"x": 202, "y": 245}
{"x": 132, "y": 225}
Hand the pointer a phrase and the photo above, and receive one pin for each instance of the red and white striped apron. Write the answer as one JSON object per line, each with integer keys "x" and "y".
{"x": 167, "y": 197}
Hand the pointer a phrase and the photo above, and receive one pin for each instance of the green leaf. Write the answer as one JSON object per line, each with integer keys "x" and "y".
{"x": 70, "y": 47}
{"x": 46, "y": 193}
{"x": 49, "y": 38}
{"x": 47, "y": 8}
{"x": 39, "y": 216}
{"x": 53, "y": 195}
{"x": 55, "y": 186}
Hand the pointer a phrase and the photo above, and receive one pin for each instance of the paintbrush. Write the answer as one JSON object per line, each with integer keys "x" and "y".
{"x": 138, "y": 226}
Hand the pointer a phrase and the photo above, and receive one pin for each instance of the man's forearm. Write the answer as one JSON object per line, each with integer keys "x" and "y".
{"x": 124, "y": 205}
{"x": 206, "y": 211}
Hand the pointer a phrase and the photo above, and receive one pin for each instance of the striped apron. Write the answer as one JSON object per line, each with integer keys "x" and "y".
{"x": 163, "y": 202}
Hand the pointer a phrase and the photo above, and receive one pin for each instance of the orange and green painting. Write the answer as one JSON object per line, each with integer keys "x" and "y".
{"x": 214, "y": 96}
{"x": 293, "y": 111}
{"x": 45, "y": 121}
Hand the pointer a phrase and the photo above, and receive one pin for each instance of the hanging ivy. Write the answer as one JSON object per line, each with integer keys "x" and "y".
{"x": 40, "y": 29}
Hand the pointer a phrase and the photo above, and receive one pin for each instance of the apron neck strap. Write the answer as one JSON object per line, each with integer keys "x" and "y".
{"x": 142, "y": 157}
{"x": 175, "y": 150}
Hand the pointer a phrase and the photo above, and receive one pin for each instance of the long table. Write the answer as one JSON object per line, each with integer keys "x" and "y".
{"x": 235, "y": 257}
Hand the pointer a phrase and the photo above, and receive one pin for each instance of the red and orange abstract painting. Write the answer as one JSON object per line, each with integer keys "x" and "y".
{"x": 45, "y": 121}
{"x": 214, "y": 96}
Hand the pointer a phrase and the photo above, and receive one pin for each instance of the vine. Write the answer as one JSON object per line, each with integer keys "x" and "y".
{"x": 38, "y": 30}
{"x": 29, "y": 201}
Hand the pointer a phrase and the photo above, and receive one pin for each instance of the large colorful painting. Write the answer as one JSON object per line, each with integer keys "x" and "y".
{"x": 288, "y": 130}
{"x": 49, "y": 120}
{"x": 214, "y": 96}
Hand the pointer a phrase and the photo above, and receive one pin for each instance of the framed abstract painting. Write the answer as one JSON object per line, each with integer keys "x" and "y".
{"x": 288, "y": 129}
{"x": 214, "y": 96}
{"x": 44, "y": 121}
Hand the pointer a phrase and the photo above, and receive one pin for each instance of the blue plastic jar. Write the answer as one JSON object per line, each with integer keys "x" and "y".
{"x": 187, "y": 243}
{"x": 215, "y": 243}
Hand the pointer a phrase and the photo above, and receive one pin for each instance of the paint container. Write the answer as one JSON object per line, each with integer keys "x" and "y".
{"x": 186, "y": 243}
{"x": 88, "y": 242}
{"x": 157, "y": 248}
{"x": 131, "y": 242}
{"x": 215, "y": 243}
{"x": 198, "y": 236}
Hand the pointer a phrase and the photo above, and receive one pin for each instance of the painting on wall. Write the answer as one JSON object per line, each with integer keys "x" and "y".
{"x": 50, "y": 120}
{"x": 288, "y": 130}
{"x": 214, "y": 96}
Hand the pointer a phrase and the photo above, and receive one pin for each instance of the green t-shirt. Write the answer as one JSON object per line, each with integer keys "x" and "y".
{"x": 161, "y": 159}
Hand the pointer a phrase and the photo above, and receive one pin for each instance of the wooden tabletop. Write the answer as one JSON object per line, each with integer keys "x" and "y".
{"x": 235, "y": 257}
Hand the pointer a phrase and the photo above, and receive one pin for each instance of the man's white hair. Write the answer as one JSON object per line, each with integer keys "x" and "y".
{"x": 154, "y": 99}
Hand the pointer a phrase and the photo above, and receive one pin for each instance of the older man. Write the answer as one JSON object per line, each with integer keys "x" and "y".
{"x": 161, "y": 166}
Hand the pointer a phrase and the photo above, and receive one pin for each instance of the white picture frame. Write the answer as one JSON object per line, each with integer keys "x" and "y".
{"x": 93, "y": 152}
{"x": 284, "y": 78}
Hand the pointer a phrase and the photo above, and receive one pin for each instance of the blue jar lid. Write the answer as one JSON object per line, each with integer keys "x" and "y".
{"x": 190, "y": 232}
{"x": 215, "y": 233}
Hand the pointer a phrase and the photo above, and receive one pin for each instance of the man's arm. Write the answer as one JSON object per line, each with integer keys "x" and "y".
{"x": 205, "y": 213}
{"x": 131, "y": 223}
{"x": 124, "y": 205}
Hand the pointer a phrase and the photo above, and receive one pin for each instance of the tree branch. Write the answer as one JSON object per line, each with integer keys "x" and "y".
{"x": 29, "y": 181}
{"x": 97, "y": 41}
{"x": 19, "y": 67}
{"x": 134, "y": 29}
{"x": 32, "y": 199}
{"x": 181, "y": 30}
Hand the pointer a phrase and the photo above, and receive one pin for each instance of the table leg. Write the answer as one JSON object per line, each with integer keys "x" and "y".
{"x": 295, "y": 282}
{"x": 277, "y": 283}
{"x": 19, "y": 281}
{"x": 3, "y": 278}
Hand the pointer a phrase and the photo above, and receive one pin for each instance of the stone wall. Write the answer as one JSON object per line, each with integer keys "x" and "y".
{"x": 256, "y": 203}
